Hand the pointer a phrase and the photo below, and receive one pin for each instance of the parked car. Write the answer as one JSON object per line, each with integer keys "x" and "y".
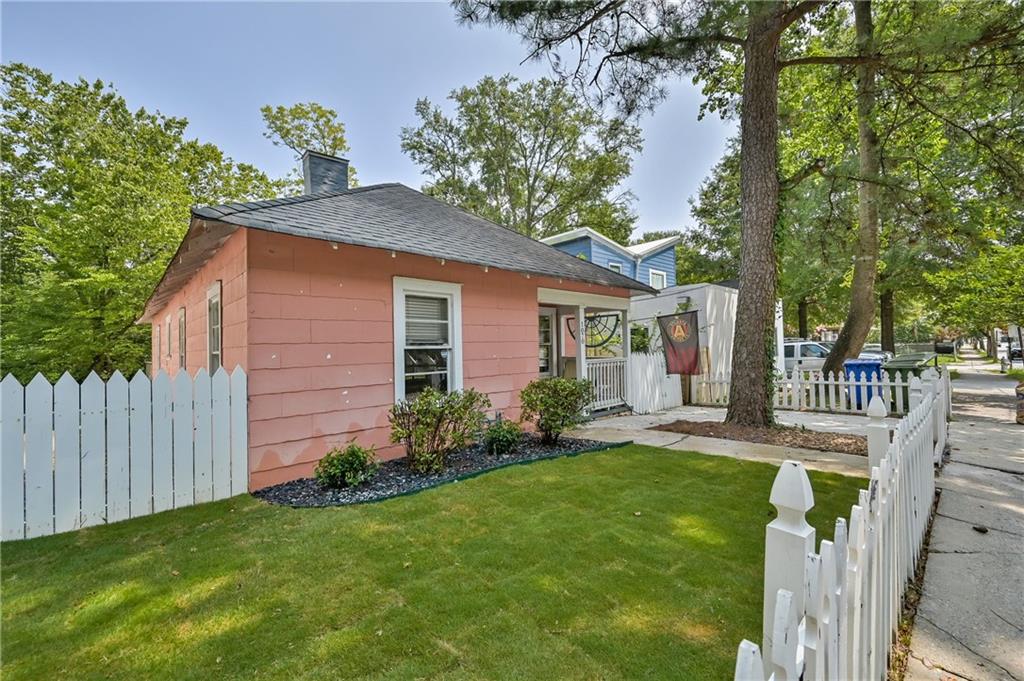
{"x": 804, "y": 354}
{"x": 875, "y": 349}
{"x": 810, "y": 355}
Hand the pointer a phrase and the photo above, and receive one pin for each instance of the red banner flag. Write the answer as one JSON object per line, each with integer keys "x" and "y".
{"x": 681, "y": 342}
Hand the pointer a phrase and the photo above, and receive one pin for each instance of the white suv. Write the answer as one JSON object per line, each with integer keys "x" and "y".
{"x": 805, "y": 354}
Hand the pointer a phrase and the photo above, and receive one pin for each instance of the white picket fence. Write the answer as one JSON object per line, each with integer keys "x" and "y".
{"x": 833, "y": 614}
{"x": 816, "y": 391}
{"x": 75, "y": 455}
{"x": 651, "y": 389}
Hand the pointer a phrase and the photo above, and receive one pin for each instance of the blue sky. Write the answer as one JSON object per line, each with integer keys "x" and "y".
{"x": 217, "y": 63}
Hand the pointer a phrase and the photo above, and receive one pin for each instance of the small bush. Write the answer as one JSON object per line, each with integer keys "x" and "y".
{"x": 556, "y": 404}
{"x": 502, "y": 436}
{"x": 435, "y": 424}
{"x": 347, "y": 467}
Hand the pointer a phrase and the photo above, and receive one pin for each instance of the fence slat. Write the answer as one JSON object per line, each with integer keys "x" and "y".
{"x": 221, "y": 435}
{"x": 163, "y": 451}
{"x": 12, "y": 467}
{"x": 38, "y": 457}
{"x": 67, "y": 471}
{"x": 140, "y": 449}
{"x": 93, "y": 418}
{"x": 183, "y": 432}
{"x": 203, "y": 437}
{"x": 118, "y": 483}
{"x": 239, "y": 432}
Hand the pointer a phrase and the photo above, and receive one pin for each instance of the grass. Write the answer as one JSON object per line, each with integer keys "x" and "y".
{"x": 634, "y": 563}
{"x": 1016, "y": 374}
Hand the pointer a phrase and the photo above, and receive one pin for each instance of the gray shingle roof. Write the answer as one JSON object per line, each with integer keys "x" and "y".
{"x": 395, "y": 217}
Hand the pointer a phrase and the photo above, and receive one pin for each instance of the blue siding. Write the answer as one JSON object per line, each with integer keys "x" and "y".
{"x": 603, "y": 255}
{"x": 664, "y": 260}
{"x": 576, "y": 247}
{"x": 600, "y": 254}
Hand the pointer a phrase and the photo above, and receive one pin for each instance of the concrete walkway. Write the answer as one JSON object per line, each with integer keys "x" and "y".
{"x": 635, "y": 428}
{"x": 970, "y": 621}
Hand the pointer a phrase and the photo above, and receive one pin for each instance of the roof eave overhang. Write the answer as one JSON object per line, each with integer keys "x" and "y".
{"x": 206, "y": 234}
{"x": 202, "y": 240}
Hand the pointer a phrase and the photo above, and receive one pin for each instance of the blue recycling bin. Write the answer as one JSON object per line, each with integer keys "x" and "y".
{"x": 862, "y": 370}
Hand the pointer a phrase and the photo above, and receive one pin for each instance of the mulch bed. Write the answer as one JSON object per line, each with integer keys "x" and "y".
{"x": 396, "y": 478}
{"x": 786, "y": 436}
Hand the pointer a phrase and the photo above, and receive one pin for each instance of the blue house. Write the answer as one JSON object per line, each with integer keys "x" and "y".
{"x": 652, "y": 263}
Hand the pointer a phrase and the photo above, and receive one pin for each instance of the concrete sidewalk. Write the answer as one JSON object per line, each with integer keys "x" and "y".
{"x": 970, "y": 620}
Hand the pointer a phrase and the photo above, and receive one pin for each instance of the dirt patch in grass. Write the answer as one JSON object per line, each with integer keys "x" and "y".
{"x": 785, "y": 436}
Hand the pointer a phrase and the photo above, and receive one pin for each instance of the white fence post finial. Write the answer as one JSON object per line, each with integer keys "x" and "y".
{"x": 878, "y": 432}
{"x": 749, "y": 666}
{"x": 788, "y": 540}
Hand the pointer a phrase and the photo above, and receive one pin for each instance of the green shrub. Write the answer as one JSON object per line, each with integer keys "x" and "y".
{"x": 347, "y": 467}
{"x": 435, "y": 424}
{"x": 502, "y": 436}
{"x": 556, "y": 404}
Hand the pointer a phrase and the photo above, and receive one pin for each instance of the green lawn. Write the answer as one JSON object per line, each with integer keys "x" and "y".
{"x": 543, "y": 571}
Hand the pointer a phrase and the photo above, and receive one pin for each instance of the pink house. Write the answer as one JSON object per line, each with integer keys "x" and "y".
{"x": 339, "y": 302}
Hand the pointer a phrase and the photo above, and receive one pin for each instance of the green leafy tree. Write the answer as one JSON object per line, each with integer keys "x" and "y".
{"x": 531, "y": 156}
{"x": 95, "y": 199}
{"x": 305, "y": 126}
{"x": 984, "y": 292}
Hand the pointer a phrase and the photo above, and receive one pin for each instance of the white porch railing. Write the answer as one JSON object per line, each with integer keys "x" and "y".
{"x": 833, "y": 614}
{"x": 816, "y": 391}
{"x": 608, "y": 376}
{"x": 75, "y": 455}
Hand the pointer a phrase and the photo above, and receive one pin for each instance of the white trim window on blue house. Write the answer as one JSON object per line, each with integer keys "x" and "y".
{"x": 653, "y": 262}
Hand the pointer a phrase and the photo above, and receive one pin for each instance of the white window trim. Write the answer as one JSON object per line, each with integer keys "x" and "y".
{"x": 167, "y": 320}
{"x": 403, "y": 286}
{"x": 553, "y": 318}
{"x": 615, "y": 266}
{"x": 159, "y": 347}
{"x": 664, "y": 277}
{"x": 215, "y": 292}
{"x": 182, "y": 322}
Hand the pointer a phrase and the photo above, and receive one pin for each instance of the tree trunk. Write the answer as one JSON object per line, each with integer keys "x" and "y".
{"x": 865, "y": 267}
{"x": 752, "y": 348}
{"x": 886, "y": 317}
{"x": 801, "y": 314}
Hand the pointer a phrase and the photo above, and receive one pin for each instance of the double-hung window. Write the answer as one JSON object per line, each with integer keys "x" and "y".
{"x": 181, "y": 337}
{"x": 213, "y": 328}
{"x": 428, "y": 336}
{"x": 658, "y": 279}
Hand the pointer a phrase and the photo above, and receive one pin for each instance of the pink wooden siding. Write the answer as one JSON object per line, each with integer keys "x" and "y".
{"x": 228, "y": 265}
{"x": 320, "y": 338}
{"x": 313, "y": 328}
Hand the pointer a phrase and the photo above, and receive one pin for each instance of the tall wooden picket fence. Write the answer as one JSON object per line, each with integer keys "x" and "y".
{"x": 651, "y": 388}
{"x": 817, "y": 391}
{"x": 75, "y": 455}
{"x": 832, "y": 614}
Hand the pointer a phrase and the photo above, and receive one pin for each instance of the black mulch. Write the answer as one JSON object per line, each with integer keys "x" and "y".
{"x": 396, "y": 478}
